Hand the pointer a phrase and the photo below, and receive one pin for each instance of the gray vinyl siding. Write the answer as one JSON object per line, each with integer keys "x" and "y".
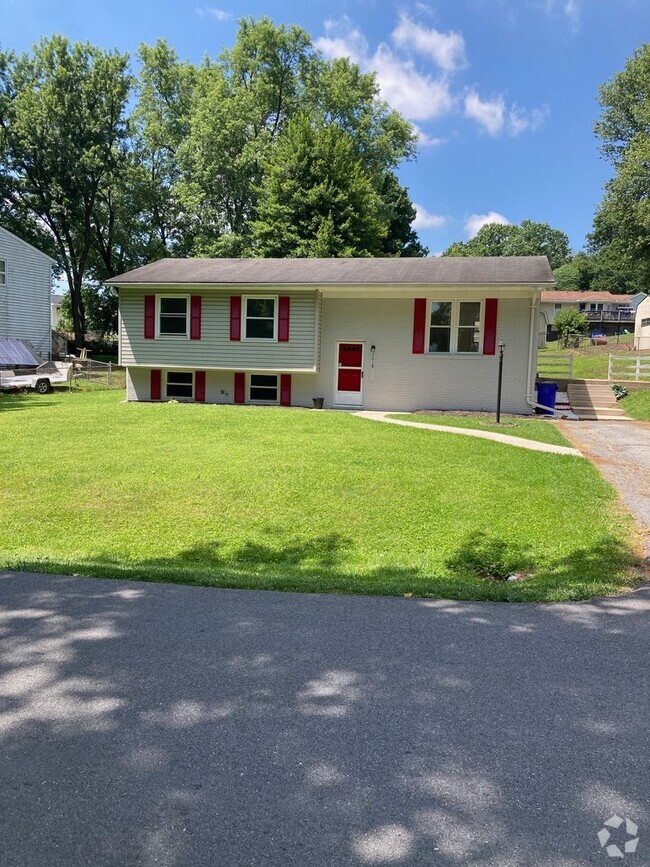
{"x": 400, "y": 380}
{"x": 215, "y": 349}
{"x": 25, "y": 299}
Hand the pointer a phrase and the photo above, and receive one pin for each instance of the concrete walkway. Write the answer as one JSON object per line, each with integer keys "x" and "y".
{"x": 621, "y": 451}
{"x": 506, "y": 439}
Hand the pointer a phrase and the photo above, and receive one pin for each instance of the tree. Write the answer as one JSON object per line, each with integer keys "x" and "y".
{"x": 62, "y": 133}
{"x": 577, "y": 275}
{"x": 100, "y": 305}
{"x": 622, "y": 222}
{"x": 242, "y": 107}
{"x": 316, "y": 198}
{"x": 527, "y": 239}
{"x": 570, "y": 321}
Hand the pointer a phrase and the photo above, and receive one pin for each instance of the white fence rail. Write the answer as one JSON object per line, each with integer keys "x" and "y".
{"x": 551, "y": 365}
{"x": 636, "y": 367}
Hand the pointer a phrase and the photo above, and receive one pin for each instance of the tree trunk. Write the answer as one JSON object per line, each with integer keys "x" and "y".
{"x": 78, "y": 311}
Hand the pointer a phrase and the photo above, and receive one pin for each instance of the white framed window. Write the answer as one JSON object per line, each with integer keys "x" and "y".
{"x": 173, "y": 316}
{"x": 179, "y": 384}
{"x": 558, "y": 306}
{"x": 260, "y": 317}
{"x": 3, "y": 272}
{"x": 455, "y": 327}
{"x": 263, "y": 388}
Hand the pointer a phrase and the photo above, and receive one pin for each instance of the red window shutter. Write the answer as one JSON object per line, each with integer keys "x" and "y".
{"x": 285, "y": 389}
{"x": 199, "y": 386}
{"x": 235, "y": 317}
{"x": 240, "y": 388}
{"x": 195, "y": 317}
{"x": 156, "y": 390}
{"x": 283, "y": 318}
{"x": 149, "y": 317}
{"x": 490, "y": 326}
{"x": 419, "y": 325}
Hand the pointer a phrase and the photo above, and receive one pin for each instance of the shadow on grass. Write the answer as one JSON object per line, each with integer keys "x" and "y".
{"x": 10, "y": 402}
{"x": 326, "y": 564}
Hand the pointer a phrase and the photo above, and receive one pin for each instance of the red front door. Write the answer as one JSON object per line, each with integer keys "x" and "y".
{"x": 349, "y": 374}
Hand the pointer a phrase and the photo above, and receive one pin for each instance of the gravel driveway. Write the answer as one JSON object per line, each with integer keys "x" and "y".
{"x": 621, "y": 450}
{"x": 151, "y": 724}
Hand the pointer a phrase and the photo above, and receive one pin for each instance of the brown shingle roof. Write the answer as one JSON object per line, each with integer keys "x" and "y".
{"x": 581, "y": 297}
{"x": 443, "y": 270}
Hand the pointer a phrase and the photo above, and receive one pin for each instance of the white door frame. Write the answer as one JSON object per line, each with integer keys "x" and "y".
{"x": 348, "y": 398}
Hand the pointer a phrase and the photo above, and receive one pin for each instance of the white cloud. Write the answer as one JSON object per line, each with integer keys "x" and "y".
{"x": 418, "y": 96}
{"x": 425, "y": 220}
{"x": 488, "y": 113}
{"x": 425, "y": 140}
{"x": 447, "y": 50}
{"x": 520, "y": 120}
{"x": 495, "y": 118}
{"x": 212, "y": 12}
{"x": 343, "y": 39}
{"x": 476, "y": 221}
{"x": 571, "y": 9}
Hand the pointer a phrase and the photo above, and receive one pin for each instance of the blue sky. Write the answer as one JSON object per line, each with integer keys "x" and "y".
{"x": 504, "y": 92}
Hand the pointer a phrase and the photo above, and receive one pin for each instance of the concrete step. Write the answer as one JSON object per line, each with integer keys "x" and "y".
{"x": 587, "y": 417}
{"x": 604, "y": 411}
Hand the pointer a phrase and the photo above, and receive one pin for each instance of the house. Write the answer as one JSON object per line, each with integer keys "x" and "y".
{"x": 606, "y": 313}
{"x": 25, "y": 288}
{"x": 400, "y": 334}
{"x": 642, "y": 325}
{"x": 55, "y": 310}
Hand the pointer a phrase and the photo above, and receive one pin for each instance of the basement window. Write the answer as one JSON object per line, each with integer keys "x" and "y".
{"x": 263, "y": 388}
{"x": 180, "y": 384}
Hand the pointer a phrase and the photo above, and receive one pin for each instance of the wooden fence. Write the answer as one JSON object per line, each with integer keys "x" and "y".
{"x": 633, "y": 367}
{"x": 554, "y": 365}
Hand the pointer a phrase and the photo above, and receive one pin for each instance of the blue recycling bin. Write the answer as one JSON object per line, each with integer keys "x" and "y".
{"x": 546, "y": 393}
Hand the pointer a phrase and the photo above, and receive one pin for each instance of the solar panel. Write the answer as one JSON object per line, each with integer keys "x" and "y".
{"x": 15, "y": 352}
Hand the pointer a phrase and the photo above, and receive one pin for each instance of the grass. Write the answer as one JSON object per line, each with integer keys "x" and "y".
{"x": 637, "y": 405}
{"x": 589, "y": 362}
{"x": 538, "y": 429}
{"x": 272, "y": 498}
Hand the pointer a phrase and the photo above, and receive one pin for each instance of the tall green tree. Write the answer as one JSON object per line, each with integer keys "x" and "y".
{"x": 621, "y": 233}
{"x": 62, "y": 133}
{"x": 316, "y": 198}
{"x": 527, "y": 239}
{"x": 243, "y": 104}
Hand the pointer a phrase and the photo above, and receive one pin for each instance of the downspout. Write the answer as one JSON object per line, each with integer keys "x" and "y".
{"x": 532, "y": 353}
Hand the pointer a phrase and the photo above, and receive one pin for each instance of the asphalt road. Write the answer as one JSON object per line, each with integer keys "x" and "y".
{"x": 146, "y": 724}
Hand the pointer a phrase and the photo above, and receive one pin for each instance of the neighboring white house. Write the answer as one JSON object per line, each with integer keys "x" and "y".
{"x": 606, "y": 313}
{"x": 25, "y": 292}
{"x": 55, "y": 310}
{"x": 642, "y": 325}
{"x": 400, "y": 334}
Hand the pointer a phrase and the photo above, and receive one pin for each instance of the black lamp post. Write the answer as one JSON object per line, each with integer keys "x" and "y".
{"x": 502, "y": 346}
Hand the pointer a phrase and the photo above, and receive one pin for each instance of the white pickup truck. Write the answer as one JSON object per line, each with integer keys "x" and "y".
{"x": 41, "y": 379}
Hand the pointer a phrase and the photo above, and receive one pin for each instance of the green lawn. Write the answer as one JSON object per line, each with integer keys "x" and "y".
{"x": 539, "y": 429}
{"x": 297, "y": 500}
{"x": 637, "y": 405}
{"x": 589, "y": 362}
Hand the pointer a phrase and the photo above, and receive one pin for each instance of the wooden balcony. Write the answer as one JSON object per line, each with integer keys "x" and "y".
{"x": 623, "y": 314}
